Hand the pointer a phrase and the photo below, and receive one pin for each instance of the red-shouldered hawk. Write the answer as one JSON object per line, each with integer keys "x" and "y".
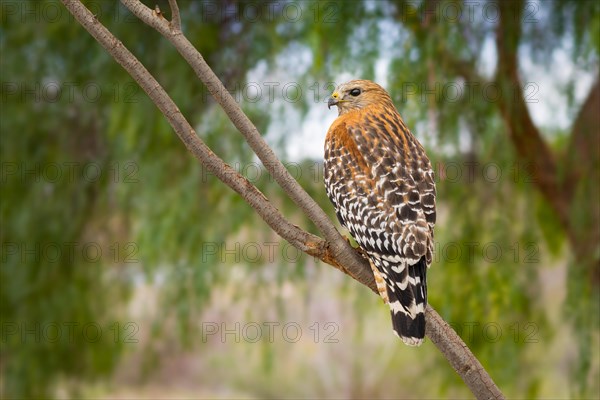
{"x": 381, "y": 183}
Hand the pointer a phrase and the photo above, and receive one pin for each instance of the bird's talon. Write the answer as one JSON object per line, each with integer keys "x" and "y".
{"x": 357, "y": 248}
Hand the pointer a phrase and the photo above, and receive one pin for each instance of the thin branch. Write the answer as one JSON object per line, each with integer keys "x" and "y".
{"x": 455, "y": 350}
{"x": 175, "y": 17}
{"x": 460, "y": 357}
{"x": 302, "y": 240}
{"x": 290, "y": 186}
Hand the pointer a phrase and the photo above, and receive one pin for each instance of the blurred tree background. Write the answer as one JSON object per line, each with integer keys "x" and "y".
{"x": 121, "y": 255}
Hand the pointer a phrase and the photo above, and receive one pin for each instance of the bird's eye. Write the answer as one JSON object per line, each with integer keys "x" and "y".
{"x": 355, "y": 92}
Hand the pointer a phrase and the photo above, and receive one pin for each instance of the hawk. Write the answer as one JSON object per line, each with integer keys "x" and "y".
{"x": 381, "y": 184}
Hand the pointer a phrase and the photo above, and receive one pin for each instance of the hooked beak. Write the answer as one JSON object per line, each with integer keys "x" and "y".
{"x": 331, "y": 102}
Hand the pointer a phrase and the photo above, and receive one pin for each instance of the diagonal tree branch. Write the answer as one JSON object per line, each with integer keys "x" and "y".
{"x": 440, "y": 333}
{"x": 526, "y": 137}
{"x": 580, "y": 177}
{"x": 582, "y": 153}
{"x": 304, "y": 241}
{"x": 239, "y": 119}
{"x": 339, "y": 247}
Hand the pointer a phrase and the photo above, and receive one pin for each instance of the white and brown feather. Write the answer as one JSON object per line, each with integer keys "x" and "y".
{"x": 382, "y": 186}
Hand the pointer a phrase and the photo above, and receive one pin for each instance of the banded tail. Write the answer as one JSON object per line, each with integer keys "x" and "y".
{"x": 407, "y": 293}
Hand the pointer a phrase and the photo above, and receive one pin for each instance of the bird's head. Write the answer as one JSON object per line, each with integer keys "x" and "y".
{"x": 358, "y": 94}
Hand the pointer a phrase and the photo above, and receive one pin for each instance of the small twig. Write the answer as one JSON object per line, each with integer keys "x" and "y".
{"x": 175, "y": 17}
{"x": 157, "y": 11}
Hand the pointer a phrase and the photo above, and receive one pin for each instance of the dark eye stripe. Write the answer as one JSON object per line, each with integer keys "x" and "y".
{"x": 355, "y": 92}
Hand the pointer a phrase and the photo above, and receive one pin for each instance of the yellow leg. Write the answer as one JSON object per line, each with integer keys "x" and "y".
{"x": 381, "y": 286}
{"x": 357, "y": 248}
